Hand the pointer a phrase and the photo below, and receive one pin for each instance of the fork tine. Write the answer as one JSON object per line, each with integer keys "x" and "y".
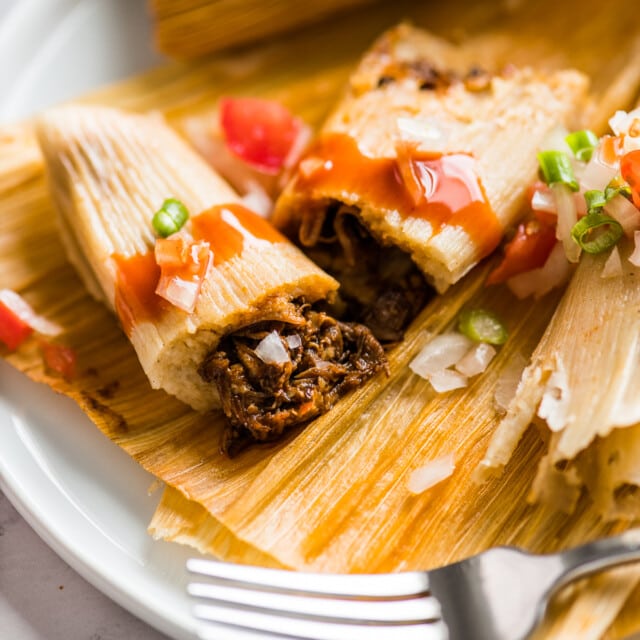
{"x": 394, "y": 585}
{"x": 413, "y": 610}
{"x": 303, "y": 629}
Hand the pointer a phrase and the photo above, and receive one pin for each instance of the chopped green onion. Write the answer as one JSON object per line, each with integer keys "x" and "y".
{"x": 556, "y": 169}
{"x": 596, "y": 232}
{"x": 582, "y": 144}
{"x": 595, "y": 199}
{"x": 482, "y": 326}
{"x": 613, "y": 190}
{"x": 170, "y": 218}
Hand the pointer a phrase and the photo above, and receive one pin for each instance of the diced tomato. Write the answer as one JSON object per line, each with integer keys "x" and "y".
{"x": 529, "y": 248}
{"x": 13, "y": 329}
{"x": 630, "y": 172}
{"x": 610, "y": 149}
{"x": 260, "y": 132}
{"x": 58, "y": 358}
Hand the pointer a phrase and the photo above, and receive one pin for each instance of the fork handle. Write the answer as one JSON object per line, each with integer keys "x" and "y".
{"x": 603, "y": 554}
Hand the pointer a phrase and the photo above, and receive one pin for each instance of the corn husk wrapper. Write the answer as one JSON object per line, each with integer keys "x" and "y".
{"x": 453, "y": 520}
{"x": 501, "y": 125}
{"x": 583, "y": 386}
{"x": 191, "y": 28}
{"x": 109, "y": 172}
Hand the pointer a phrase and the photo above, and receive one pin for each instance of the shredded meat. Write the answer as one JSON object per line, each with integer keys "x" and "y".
{"x": 261, "y": 400}
{"x": 379, "y": 285}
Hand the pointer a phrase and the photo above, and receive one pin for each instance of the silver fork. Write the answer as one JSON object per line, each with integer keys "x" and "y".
{"x": 500, "y": 594}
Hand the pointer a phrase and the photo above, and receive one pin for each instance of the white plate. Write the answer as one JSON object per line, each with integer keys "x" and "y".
{"x": 82, "y": 494}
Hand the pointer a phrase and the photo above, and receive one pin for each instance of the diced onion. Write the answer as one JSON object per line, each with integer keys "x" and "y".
{"x": 625, "y": 212}
{"x": 537, "y": 282}
{"x": 476, "y": 360}
{"x": 23, "y": 310}
{"x": 567, "y": 218}
{"x": 430, "y": 474}
{"x": 179, "y": 292}
{"x": 293, "y": 341}
{"x": 619, "y": 122}
{"x": 271, "y": 350}
{"x": 442, "y": 352}
{"x": 634, "y": 258}
{"x": 613, "y": 266}
{"x": 447, "y": 380}
{"x": 543, "y": 200}
{"x": 597, "y": 174}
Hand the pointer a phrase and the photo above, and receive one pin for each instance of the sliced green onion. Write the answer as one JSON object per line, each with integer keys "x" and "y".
{"x": 612, "y": 190}
{"x": 556, "y": 169}
{"x": 582, "y": 144}
{"x": 595, "y": 199}
{"x": 170, "y": 218}
{"x": 482, "y": 326}
{"x": 596, "y": 232}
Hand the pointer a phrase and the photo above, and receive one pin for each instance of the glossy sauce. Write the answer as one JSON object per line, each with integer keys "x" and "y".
{"x": 448, "y": 186}
{"x": 227, "y": 229}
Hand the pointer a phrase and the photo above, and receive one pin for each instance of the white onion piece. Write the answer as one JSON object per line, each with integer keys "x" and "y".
{"x": 476, "y": 360}
{"x": 271, "y": 350}
{"x": 431, "y": 474}
{"x": 426, "y": 132}
{"x": 257, "y": 199}
{"x": 179, "y": 292}
{"x": 597, "y": 174}
{"x": 625, "y": 212}
{"x": 537, "y": 282}
{"x": 447, "y": 380}
{"x": 544, "y": 200}
{"x": 442, "y": 352}
{"x": 21, "y": 308}
{"x": 293, "y": 341}
{"x": 567, "y": 218}
{"x": 613, "y": 266}
{"x": 619, "y": 122}
{"x": 634, "y": 258}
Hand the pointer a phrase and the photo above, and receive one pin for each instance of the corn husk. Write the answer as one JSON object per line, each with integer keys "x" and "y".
{"x": 583, "y": 385}
{"x": 191, "y": 28}
{"x": 454, "y": 519}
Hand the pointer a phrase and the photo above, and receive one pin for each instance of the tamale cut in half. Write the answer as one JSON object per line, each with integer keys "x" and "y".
{"x": 248, "y": 339}
{"x": 419, "y": 170}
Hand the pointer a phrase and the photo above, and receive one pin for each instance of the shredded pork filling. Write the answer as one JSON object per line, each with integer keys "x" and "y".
{"x": 380, "y": 285}
{"x": 325, "y": 358}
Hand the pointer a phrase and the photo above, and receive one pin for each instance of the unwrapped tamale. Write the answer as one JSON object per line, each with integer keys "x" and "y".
{"x": 251, "y": 340}
{"x": 427, "y": 157}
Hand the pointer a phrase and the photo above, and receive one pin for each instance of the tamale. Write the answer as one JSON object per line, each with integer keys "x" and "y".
{"x": 251, "y": 337}
{"x": 427, "y": 153}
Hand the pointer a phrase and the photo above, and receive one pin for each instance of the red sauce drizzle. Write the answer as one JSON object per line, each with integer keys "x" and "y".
{"x": 451, "y": 191}
{"x": 225, "y": 227}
